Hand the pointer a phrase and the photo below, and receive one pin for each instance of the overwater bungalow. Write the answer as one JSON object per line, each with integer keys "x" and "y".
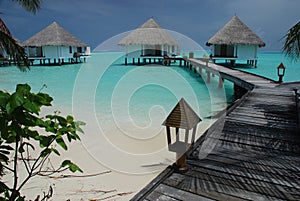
{"x": 235, "y": 41}
{"x": 149, "y": 42}
{"x": 55, "y": 45}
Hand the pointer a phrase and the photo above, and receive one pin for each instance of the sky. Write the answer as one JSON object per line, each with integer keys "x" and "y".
{"x": 95, "y": 21}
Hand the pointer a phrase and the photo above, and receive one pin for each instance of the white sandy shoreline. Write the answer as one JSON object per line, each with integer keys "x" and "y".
{"x": 102, "y": 181}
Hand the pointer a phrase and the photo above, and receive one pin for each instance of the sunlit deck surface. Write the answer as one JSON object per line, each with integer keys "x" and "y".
{"x": 251, "y": 153}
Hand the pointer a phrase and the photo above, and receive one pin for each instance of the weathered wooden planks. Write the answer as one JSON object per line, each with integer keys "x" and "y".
{"x": 251, "y": 153}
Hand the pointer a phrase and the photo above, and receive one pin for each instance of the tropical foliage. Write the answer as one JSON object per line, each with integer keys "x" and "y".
{"x": 8, "y": 45}
{"x": 27, "y": 140}
{"x": 30, "y": 5}
{"x": 292, "y": 42}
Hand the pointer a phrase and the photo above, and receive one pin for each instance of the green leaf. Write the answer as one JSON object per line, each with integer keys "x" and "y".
{"x": 3, "y": 99}
{"x": 65, "y": 163}
{"x": 61, "y": 142}
{"x": 32, "y": 134}
{"x": 72, "y": 166}
{"x": 55, "y": 151}
{"x": 31, "y": 107}
{"x": 78, "y": 125}
{"x": 62, "y": 121}
{"x": 44, "y": 99}
{"x": 3, "y": 158}
{"x": 39, "y": 122}
{"x": 6, "y": 147}
{"x": 4, "y": 152}
{"x": 23, "y": 88}
{"x": 15, "y": 101}
{"x": 3, "y": 187}
{"x": 45, "y": 141}
{"x": 70, "y": 118}
{"x": 46, "y": 152}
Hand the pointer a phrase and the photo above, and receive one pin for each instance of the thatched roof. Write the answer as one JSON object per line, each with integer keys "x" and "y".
{"x": 150, "y": 33}
{"x": 53, "y": 35}
{"x": 235, "y": 32}
{"x": 182, "y": 116}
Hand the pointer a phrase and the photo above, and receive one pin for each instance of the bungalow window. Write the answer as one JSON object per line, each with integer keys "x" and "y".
{"x": 70, "y": 49}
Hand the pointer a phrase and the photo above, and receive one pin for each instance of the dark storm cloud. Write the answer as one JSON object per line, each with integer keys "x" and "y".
{"x": 94, "y": 21}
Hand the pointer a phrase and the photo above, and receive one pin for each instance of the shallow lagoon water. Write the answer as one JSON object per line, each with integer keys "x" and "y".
{"x": 124, "y": 107}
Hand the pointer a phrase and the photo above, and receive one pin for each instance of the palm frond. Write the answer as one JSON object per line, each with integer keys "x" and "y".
{"x": 11, "y": 47}
{"x": 30, "y": 5}
{"x": 292, "y": 42}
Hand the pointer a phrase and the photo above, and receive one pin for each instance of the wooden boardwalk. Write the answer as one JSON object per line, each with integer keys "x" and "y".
{"x": 251, "y": 153}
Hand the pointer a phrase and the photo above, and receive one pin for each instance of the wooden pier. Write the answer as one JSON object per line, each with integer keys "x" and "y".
{"x": 43, "y": 61}
{"x": 252, "y": 152}
{"x": 144, "y": 60}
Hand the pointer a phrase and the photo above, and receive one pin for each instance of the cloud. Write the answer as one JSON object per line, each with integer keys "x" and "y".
{"x": 94, "y": 21}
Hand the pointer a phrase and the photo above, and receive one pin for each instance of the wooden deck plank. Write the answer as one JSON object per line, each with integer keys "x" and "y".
{"x": 209, "y": 184}
{"x": 250, "y": 154}
{"x": 254, "y": 174}
{"x": 178, "y": 194}
{"x": 239, "y": 182}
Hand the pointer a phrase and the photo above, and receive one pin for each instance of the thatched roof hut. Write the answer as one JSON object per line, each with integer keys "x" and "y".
{"x": 53, "y": 35}
{"x": 150, "y": 33}
{"x": 55, "y": 43}
{"x": 235, "y": 32}
{"x": 235, "y": 41}
{"x": 149, "y": 40}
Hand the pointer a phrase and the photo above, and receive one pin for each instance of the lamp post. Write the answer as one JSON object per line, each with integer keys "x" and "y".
{"x": 280, "y": 72}
{"x": 182, "y": 119}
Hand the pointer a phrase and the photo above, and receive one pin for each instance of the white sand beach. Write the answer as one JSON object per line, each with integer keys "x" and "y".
{"x": 117, "y": 173}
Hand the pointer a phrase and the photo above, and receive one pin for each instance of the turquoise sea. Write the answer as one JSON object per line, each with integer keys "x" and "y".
{"x": 136, "y": 88}
{"x": 124, "y": 106}
{"x": 267, "y": 66}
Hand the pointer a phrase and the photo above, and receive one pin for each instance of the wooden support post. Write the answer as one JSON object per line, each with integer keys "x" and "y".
{"x": 139, "y": 61}
{"x": 208, "y": 76}
{"x": 239, "y": 91}
{"x": 255, "y": 63}
{"x": 177, "y": 134}
{"x": 133, "y": 61}
{"x": 180, "y": 63}
{"x": 168, "y": 135}
{"x": 186, "y": 139}
{"x": 221, "y": 81}
{"x": 200, "y": 71}
{"x": 195, "y": 71}
{"x": 125, "y": 61}
{"x": 181, "y": 165}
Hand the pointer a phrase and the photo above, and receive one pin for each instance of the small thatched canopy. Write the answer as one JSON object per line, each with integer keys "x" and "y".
{"x": 235, "y": 32}
{"x": 53, "y": 35}
{"x": 150, "y": 33}
{"x": 182, "y": 116}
